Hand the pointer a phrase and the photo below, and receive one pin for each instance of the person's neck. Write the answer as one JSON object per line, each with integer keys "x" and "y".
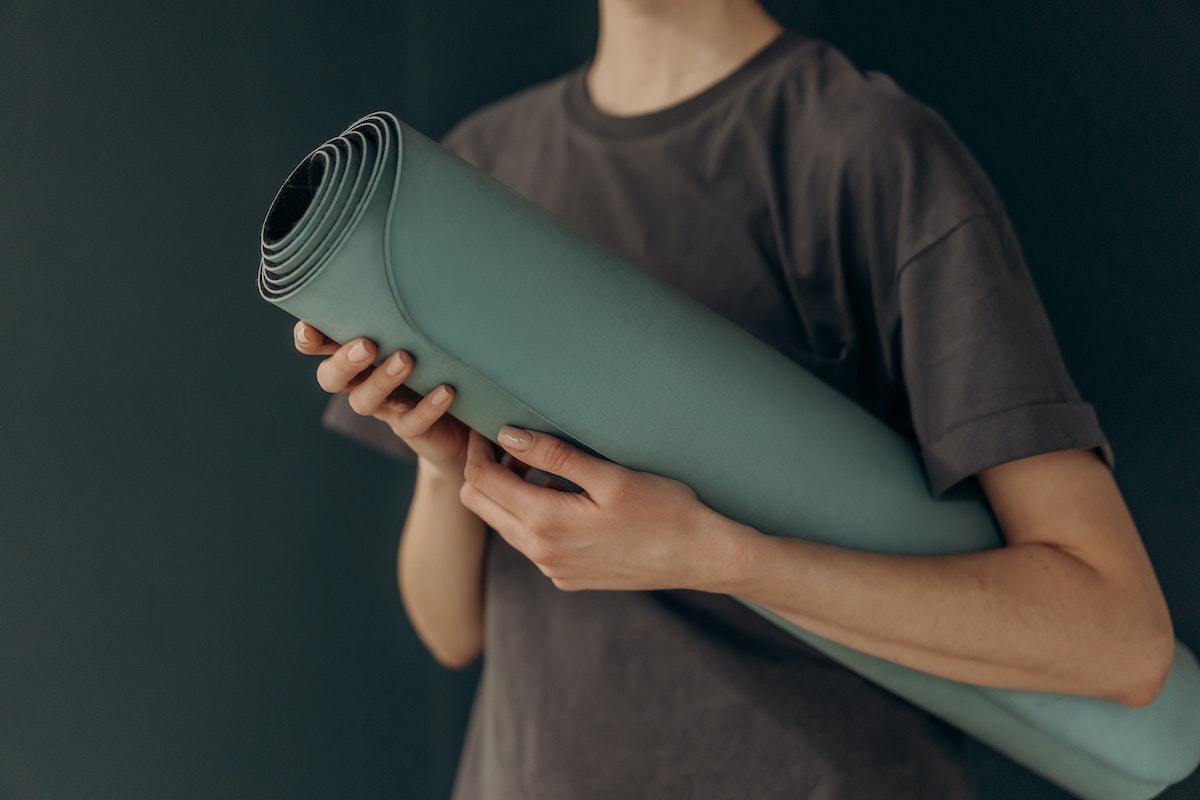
{"x": 653, "y": 54}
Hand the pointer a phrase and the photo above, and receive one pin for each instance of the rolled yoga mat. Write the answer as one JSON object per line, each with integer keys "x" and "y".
{"x": 382, "y": 233}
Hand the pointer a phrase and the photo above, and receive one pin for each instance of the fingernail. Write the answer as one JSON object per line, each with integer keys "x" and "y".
{"x": 515, "y": 438}
{"x": 395, "y": 365}
{"x": 439, "y": 395}
{"x": 358, "y": 352}
{"x": 302, "y": 333}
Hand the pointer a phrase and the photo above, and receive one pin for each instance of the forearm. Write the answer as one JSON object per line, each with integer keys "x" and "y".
{"x": 1029, "y": 616}
{"x": 440, "y": 569}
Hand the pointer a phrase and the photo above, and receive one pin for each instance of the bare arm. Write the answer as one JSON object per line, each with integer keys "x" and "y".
{"x": 1069, "y": 605}
{"x": 440, "y": 569}
{"x": 440, "y": 560}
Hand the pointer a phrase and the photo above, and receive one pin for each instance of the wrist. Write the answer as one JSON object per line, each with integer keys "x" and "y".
{"x": 441, "y": 473}
{"x": 730, "y": 549}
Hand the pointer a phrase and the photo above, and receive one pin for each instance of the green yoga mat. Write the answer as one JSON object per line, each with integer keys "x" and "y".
{"x": 381, "y": 233}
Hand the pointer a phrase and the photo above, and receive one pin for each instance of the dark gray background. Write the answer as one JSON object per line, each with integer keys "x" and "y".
{"x": 197, "y": 591}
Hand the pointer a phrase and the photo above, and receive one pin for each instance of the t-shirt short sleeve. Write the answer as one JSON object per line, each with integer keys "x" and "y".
{"x": 977, "y": 358}
{"x": 985, "y": 378}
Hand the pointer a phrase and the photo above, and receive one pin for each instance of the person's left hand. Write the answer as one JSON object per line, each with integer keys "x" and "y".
{"x": 626, "y": 530}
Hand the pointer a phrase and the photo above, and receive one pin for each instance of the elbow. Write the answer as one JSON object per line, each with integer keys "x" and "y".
{"x": 1143, "y": 692}
{"x": 1146, "y": 674}
{"x": 456, "y": 650}
{"x": 455, "y": 658}
{"x": 454, "y": 643}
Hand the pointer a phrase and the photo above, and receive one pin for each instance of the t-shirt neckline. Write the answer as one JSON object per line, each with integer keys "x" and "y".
{"x": 584, "y": 113}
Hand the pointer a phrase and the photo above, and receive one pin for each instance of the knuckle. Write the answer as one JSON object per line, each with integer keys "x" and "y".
{"x": 403, "y": 421}
{"x": 676, "y": 490}
{"x": 539, "y": 524}
{"x": 620, "y": 486}
{"x": 471, "y": 475}
{"x": 557, "y": 456}
{"x": 467, "y": 495}
{"x": 362, "y": 406}
{"x": 327, "y": 379}
{"x": 684, "y": 491}
{"x": 623, "y": 483}
{"x": 542, "y": 553}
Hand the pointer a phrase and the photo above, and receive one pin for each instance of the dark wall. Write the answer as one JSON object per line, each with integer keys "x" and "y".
{"x": 196, "y": 582}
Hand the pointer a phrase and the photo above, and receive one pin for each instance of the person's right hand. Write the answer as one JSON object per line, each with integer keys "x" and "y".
{"x": 376, "y": 391}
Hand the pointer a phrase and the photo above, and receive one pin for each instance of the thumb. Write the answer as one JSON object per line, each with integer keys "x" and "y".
{"x": 550, "y": 454}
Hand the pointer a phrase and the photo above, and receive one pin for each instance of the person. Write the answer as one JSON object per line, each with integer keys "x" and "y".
{"x": 841, "y": 221}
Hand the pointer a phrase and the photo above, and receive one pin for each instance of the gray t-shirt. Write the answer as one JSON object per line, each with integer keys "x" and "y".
{"x": 842, "y": 222}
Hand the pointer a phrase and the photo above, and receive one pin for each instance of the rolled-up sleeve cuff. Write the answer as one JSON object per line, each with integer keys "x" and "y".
{"x": 1004, "y": 436}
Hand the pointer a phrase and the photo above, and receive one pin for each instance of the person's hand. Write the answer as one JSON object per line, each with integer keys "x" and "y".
{"x": 626, "y": 530}
{"x": 376, "y": 391}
